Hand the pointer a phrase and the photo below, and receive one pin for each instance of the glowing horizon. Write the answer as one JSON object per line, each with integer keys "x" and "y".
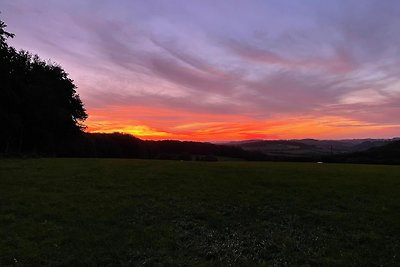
{"x": 224, "y": 70}
{"x": 229, "y": 128}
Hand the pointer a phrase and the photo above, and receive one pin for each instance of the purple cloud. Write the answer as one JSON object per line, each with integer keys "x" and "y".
{"x": 261, "y": 59}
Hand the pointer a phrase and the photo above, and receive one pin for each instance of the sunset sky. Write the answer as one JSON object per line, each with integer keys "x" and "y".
{"x": 223, "y": 70}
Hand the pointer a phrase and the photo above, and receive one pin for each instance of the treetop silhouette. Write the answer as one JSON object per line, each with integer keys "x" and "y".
{"x": 40, "y": 110}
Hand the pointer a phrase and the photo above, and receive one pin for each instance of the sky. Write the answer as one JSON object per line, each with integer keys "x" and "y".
{"x": 213, "y": 70}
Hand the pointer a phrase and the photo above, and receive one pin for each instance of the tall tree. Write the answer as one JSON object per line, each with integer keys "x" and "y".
{"x": 40, "y": 110}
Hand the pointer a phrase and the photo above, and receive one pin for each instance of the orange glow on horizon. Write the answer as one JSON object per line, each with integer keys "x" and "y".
{"x": 160, "y": 124}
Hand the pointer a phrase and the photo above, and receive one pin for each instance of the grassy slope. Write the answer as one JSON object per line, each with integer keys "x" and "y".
{"x": 133, "y": 212}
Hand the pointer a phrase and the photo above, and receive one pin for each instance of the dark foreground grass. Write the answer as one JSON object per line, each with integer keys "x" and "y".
{"x": 100, "y": 212}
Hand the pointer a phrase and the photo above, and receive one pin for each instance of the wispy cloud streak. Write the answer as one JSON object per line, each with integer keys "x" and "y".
{"x": 229, "y": 67}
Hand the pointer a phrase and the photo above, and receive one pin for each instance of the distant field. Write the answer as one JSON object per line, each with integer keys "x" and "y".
{"x": 111, "y": 212}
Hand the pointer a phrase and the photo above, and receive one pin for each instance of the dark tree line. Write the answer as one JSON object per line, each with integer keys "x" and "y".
{"x": 119, "y": 145}
{"x": 40, "y": 111}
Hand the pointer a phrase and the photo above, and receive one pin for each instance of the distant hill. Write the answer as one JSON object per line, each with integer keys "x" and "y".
{"x": 119, "y": 145}
{"x": 305, "y": 148}
{"x": 386, "y": 154}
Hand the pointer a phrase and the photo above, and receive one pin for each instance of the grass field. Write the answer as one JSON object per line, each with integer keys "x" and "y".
{"x": 111, "y": 212}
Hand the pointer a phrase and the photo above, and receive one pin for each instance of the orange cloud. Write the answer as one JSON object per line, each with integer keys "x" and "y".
{"x": 161, "y": 123}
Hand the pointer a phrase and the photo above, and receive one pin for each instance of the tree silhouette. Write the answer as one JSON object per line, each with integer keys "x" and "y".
{"x": 40, "y": 110}
{"x": 3, "y": 34}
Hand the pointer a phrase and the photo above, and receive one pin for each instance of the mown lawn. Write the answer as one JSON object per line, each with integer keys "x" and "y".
{"x": 112, "y": 212}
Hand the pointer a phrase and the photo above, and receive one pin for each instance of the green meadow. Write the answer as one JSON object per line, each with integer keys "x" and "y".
{"x": 121, "y": 212}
